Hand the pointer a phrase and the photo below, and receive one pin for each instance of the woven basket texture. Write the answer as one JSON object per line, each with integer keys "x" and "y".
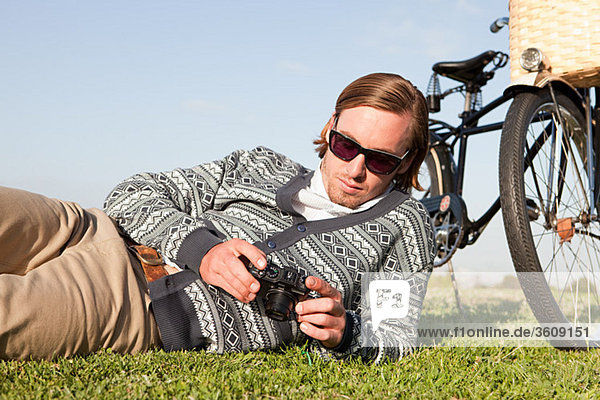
{"x": 566, "y": 31}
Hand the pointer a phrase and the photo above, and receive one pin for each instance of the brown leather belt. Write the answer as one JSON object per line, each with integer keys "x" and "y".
{"x": 152, "y": 262}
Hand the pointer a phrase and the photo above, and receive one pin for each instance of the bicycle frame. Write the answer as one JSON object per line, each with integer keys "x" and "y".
{"x": 461, "y": 133}
{"x": 469, "y": 127}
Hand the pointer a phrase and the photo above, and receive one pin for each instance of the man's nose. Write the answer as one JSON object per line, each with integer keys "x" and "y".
{"x": 356, "y": 168}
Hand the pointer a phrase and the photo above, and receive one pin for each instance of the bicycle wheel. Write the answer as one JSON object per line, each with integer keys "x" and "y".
{"x": 436, "y": 173}
{"x": 544, "y": 193}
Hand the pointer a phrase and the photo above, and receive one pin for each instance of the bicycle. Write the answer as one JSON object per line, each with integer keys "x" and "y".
{"x": 548, "y": 177}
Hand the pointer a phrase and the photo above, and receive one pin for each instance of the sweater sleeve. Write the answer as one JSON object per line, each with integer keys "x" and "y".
{"x": 394, "y": 337}
{"x": 165, "y": 210}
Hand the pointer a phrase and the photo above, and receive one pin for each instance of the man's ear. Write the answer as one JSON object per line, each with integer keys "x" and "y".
{"x": 329, "y": 126}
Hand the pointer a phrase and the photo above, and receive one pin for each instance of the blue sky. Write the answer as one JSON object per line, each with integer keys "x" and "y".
{"x": 93, "y": 92}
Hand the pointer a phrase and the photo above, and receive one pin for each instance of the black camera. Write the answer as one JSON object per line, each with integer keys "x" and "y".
{"x": 284, "y": 287}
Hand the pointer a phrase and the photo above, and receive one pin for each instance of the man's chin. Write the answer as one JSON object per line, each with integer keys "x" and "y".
{"x": 346, "y": 200}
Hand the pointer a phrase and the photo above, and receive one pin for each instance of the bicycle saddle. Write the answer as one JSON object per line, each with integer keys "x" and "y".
{"x": 464, "y": 71}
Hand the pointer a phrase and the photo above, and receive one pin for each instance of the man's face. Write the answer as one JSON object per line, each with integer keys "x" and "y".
{"x": 350, "y": 183}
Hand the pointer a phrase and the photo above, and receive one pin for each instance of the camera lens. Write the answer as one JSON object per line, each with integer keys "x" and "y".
{"x": 279, "y": 304}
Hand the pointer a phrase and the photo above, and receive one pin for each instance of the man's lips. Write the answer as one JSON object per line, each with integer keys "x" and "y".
{"x": 349, "y": 187}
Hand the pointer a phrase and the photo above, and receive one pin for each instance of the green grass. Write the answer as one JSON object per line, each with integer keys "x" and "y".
{"x": 430, "y": 372}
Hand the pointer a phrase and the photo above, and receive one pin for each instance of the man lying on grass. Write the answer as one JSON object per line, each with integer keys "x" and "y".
{"x": 77, "y": 280}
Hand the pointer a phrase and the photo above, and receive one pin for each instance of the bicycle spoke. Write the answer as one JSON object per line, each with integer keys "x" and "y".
{"x": 581, "y": 185}
{"x": 551, "y": 262}
{"x": 594, "y": 276}
{"x": 576, "y": 170}
{"x": 562, "y": 169}
{"x": 579, "y": 264}
{"x": 567, "y": 280}
{"x": 535, "y": 181}
{"x": 551, "y": 165}
{"x": 530, "y": 155}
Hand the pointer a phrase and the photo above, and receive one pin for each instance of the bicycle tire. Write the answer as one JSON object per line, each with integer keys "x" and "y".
{"x": 536, "y": 194}
{"x": 437, "y": 172}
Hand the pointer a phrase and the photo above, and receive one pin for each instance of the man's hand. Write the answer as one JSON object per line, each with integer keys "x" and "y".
{"x": 323, "y": 318}
{"x": 222, "y": 267}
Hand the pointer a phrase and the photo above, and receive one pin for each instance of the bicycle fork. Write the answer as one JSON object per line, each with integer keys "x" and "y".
{"x": 593, "y": 114}
{"x": 566, "y": 226}
{"x": 592, "y": 150}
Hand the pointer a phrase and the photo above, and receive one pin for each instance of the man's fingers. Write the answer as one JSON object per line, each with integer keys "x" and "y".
{"x": 322, "y": 320}
{"x": 322, "y": 287}
{"x": 251, "y": 252}
{"x": 328, "y": 337}
{"x": 240, "y": 287}
{"x": 238, "y": 272}
{"x": 234, "y": 274}
{"x": 225, "y": 266}
{"x": 232, "y": 290}
{"x": 320, "y": 305}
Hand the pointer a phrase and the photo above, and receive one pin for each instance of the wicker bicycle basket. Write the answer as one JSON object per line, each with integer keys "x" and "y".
{"x": 566, "y": 31}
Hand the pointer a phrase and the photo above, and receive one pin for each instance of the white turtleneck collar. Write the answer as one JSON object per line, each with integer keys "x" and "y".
{"x": 313, "y": 202}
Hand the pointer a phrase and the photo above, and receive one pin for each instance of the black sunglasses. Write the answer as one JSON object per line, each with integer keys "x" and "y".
{"x": 376, "y": 161}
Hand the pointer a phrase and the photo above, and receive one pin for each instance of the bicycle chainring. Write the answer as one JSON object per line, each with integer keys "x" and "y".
{"x": 448, "y": 221}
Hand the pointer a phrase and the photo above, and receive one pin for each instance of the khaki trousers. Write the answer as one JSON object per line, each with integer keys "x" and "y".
{"x": 68, "y": 284}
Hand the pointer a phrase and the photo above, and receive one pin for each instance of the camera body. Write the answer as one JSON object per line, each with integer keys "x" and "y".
{"x": 284, "y": 287}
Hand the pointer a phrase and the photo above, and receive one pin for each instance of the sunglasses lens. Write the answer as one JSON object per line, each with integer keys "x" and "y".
{"x": 346, "y": 149}
{"x": 342, "y": 147}
{"x": 380, "y": 163}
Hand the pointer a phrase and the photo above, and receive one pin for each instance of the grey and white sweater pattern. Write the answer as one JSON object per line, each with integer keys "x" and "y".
{"x": 247, "y": 195}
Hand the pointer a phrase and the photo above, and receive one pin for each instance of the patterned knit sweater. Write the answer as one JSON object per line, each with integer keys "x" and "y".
{"x": 247, "y": 195}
